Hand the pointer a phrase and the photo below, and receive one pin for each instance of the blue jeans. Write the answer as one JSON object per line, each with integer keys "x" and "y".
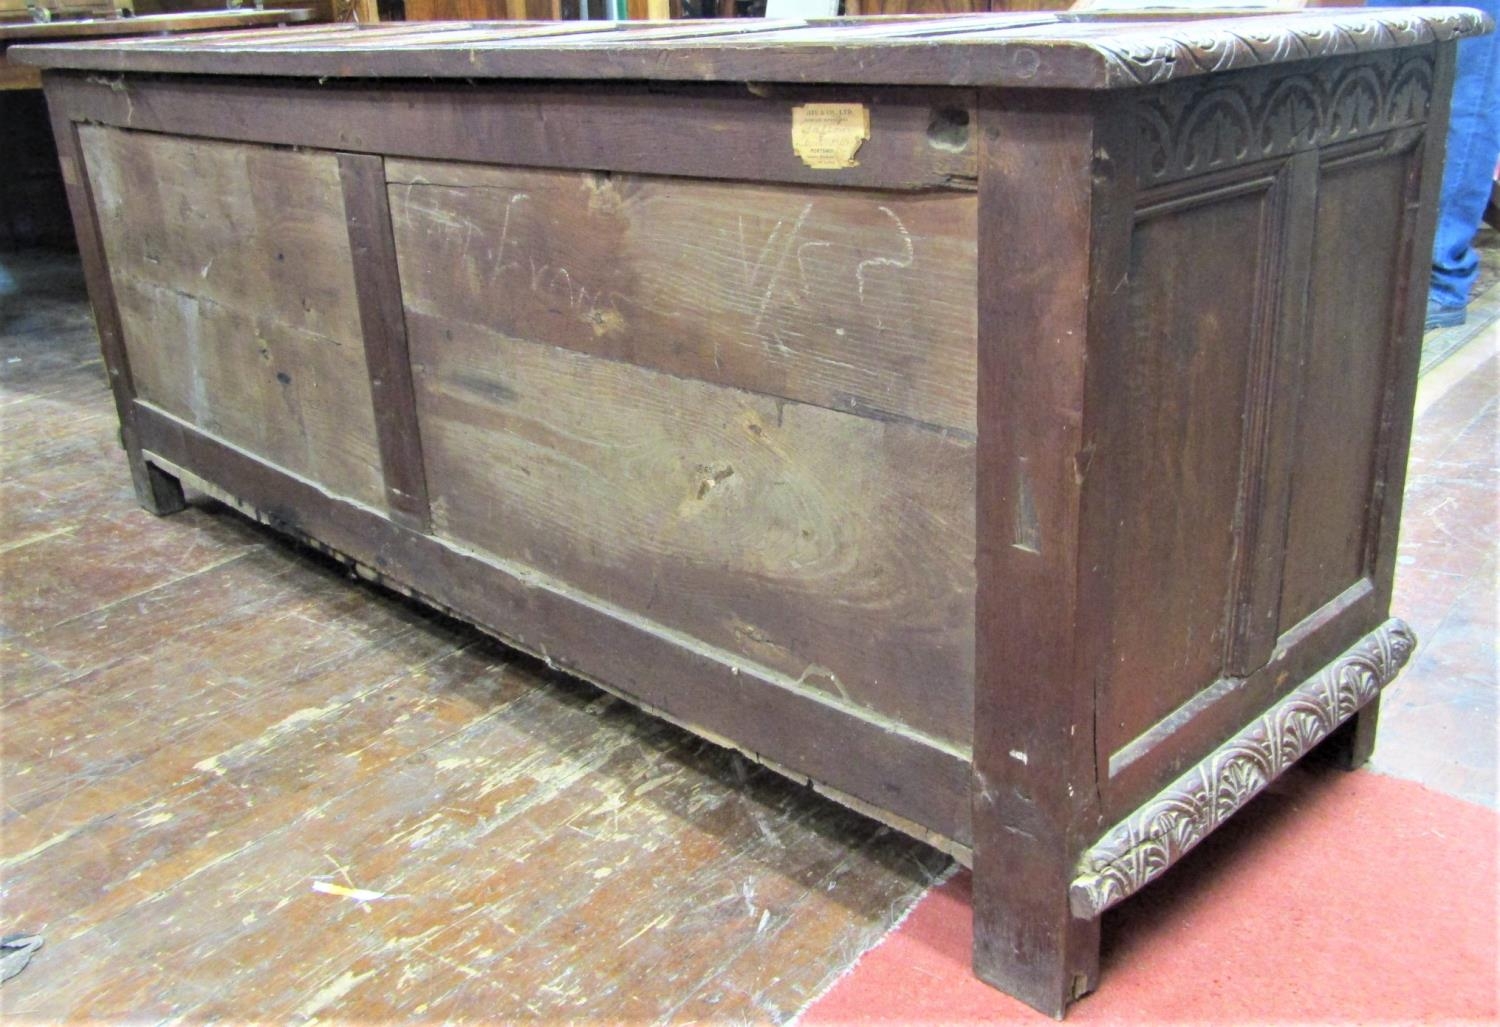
{"x": 1473, "y": 149}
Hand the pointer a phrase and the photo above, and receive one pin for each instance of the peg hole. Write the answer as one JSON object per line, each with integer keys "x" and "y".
{"x": 949, "y": 130}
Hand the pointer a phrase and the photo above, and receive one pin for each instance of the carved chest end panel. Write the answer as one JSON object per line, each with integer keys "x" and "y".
{"x": 1213, "y": 124}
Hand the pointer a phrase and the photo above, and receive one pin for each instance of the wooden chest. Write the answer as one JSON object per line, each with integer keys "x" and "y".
{"x": 998, "y": 422}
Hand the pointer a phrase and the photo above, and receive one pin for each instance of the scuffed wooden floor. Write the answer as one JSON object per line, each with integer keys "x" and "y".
{"x": 203, "y": 724}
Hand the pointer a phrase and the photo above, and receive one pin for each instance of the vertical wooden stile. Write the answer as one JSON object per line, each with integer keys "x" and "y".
{"x": 377, "y": 282}
{"x": 1033, "y": 710}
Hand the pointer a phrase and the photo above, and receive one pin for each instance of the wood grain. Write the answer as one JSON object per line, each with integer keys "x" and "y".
{"x": 836, "y": 550}
{"x": 1047, "y": 199}
{"x": 803, "y": 547}
{"x": 852, "y": 300}
{"x": 232, "y": 271}
{"x": 918, "y": 781}
{"x": 383, "y": 325}
{"x": 1172, "y": 476}
{"x": 156, "y": 493}
{"x": 713, "y": 130}
{"x": 1333, "y": 505}
{"x": 219, "y": 734}
{"x": 1014, "y": 50}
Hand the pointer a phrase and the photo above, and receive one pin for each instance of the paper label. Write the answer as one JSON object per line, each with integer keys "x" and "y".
{"x": 828, "y": 135}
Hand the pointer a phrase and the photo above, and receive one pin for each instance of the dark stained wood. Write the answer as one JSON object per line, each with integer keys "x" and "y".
{"x": 1352, "y": 745}
{"x": 687, "y": 130}
{"x": 1211, "y": 615}
{"x": 1241, "y": 607}
{"x": 1030, "y": 50}
{"x": 994, "y": 527}
{"x": 383, "y": 323}
{"x": 1170, "y": 426}
{"x": 16, "y": 76}
{"x": 148, "y": 24}
{"x": 1033, "y": 789}
{"x": 1271, "y": 418}
{"x": 1334, "y": 505}
{"x": 1408, "y": 313}
{"x": 864, "y": 8}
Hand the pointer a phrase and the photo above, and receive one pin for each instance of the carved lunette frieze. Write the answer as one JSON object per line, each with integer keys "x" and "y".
{"x": 1146, "y": 843}
{"x": 1146, "y": 56}
{"x": 1209, "y": 125}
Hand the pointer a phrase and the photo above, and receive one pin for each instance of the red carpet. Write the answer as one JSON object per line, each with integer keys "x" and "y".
{"x": 1333, "y": 898}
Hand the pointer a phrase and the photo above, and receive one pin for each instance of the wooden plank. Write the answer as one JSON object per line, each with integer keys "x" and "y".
{"x": 834, "y": 550}
{"x": 1271, "y": 417}
{"x": 156, "y": 492}
{"x": 855, "y": 301}
{"x": 148, "y": 24}
{"x": 344, "y": 723}
{"x": 383, "y": 324}
{"x": 18, "y": 77}
{"x": 688, "y": 130}
{"x": 1144, "y": 754}
{"x": 222, "y": 598}
{"x": 1189, "y": 733}
{"x": 1206, "y": 675}
{"x": 482, "y": 33}
{"x": 46, "y": 589}
{"x": 1031, "y": 50}
{"x": 1035, "y": 794}
{"x": 1408, "y": 312}
{"x": 334, "y": 695}
{"x": 460, "y": 802}
{"x": 806, "y": 734}
{"x": 311, "y": 637}
{"x": 235, "y": 284}
{"x": 1342, "y": 403}
{"x": 392, "y": 35}
{"x": 1170, "y": 430}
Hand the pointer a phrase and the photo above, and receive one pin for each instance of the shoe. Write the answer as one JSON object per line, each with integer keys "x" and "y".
{"x": 1445, "y": 317}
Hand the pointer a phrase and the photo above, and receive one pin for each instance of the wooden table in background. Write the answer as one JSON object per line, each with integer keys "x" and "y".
{"x": 33, "y": 202}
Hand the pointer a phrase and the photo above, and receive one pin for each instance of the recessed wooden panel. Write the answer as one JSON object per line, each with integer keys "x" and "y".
{"x": 1170, "y": 442}
{"x": 231, "y": 267}
{"x": 848, "y": 299}
{"x": 1356, "y": 252}
{"x": 835, "y": 550}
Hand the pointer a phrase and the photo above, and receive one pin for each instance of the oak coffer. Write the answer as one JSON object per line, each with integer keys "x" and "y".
{"x": 998, "y": 422}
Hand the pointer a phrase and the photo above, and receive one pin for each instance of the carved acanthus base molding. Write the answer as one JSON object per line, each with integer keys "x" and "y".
{"x": 1139, "y": 848}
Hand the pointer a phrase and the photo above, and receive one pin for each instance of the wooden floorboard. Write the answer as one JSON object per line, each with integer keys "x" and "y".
{"x": 202, "y": 725}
